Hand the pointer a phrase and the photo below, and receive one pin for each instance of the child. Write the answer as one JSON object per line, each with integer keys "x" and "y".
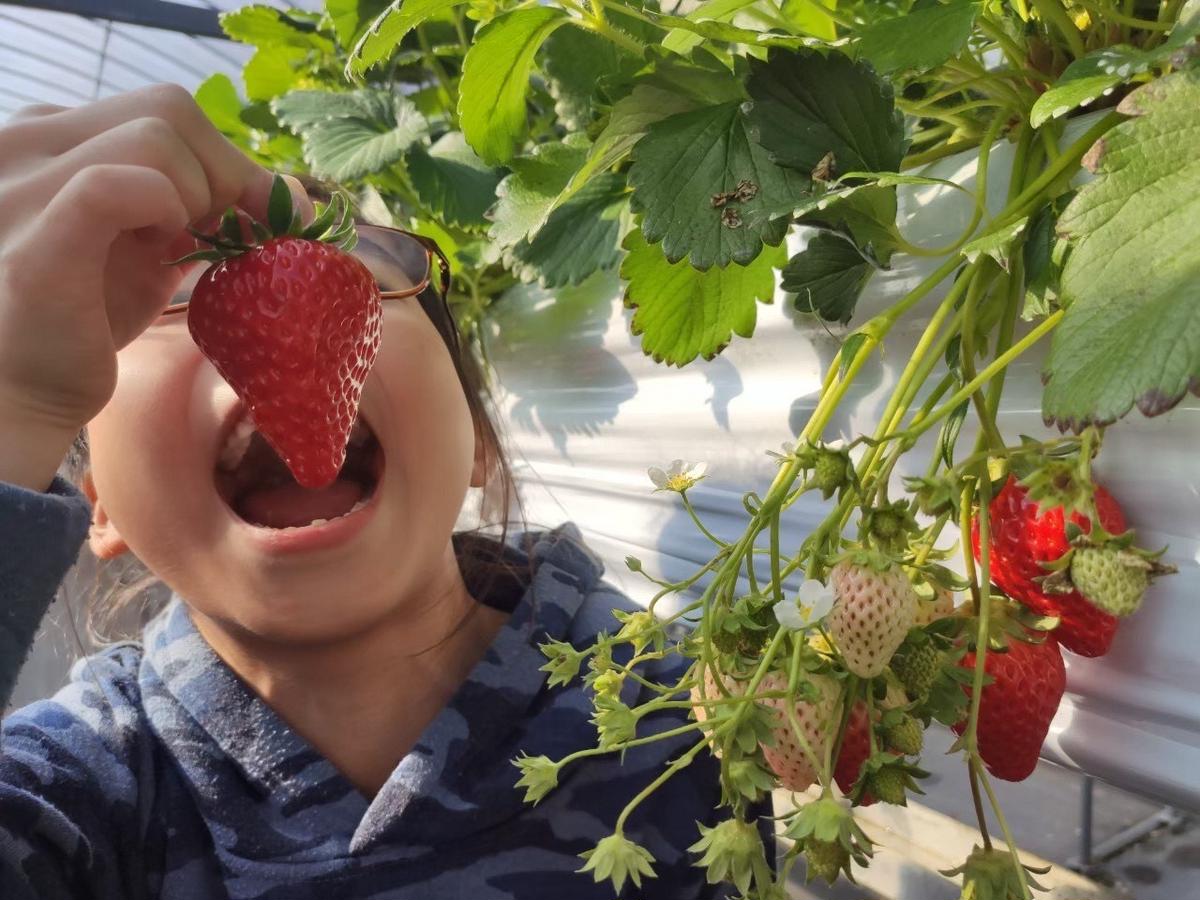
{"x": 305, "y": 718}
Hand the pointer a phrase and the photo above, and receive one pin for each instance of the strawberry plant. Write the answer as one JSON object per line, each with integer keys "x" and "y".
{"x": 680, "y": 148}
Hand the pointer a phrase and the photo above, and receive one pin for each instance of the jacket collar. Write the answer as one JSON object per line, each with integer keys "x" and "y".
{"x": 211, "y": 720}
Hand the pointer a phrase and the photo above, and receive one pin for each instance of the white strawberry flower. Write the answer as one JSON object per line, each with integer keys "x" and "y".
{"x": 816, "y": 598}
{"x": 678, "y": 476}
{"x": 813, "y": 601}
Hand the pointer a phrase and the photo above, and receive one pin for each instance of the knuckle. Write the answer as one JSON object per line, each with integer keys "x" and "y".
{"x": 36, "y": 111}
{"x": 170, "y": 100}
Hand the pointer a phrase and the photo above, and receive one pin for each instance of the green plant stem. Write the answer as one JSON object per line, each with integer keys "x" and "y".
{"x": 695, "y": 518}
{"x": 977, "y": 289}
{"x": 1111, "y": 15}
{"x": 981, "y": 589}
{"x": 1015, "y": 53}
{"x": 1013, "y": 850}
{"x": 1031, "y": 197}
{"x": 776, "y": 580}
{"x": 1046, "y": 325}
{"x": 439, "y": 73}
{"x": 977, "y": 800}
{"x": 1054, "y": 13}
{"x": 913, "y": 160}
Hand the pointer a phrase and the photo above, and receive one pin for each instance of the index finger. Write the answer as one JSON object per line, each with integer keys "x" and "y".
{"x": 234, "y": 178}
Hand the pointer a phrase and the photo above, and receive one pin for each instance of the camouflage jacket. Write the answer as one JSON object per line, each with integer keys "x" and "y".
{"x": 157, "y": 773}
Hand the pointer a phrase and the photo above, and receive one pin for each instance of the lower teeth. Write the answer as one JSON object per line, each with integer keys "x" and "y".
{"x": 355, "y": 508}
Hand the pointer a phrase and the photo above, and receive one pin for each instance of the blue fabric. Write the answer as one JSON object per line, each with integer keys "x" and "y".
{"x": 158, "y": 773}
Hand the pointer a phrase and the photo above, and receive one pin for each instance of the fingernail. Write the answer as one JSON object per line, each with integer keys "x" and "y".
{"x": 300, "y": 199}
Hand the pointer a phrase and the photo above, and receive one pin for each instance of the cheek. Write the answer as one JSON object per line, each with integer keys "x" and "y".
{"x": 141, "y": 441}
{"x": 427, "y": 418}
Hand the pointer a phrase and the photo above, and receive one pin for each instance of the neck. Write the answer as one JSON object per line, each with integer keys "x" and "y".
{"x": 364, "y": 700}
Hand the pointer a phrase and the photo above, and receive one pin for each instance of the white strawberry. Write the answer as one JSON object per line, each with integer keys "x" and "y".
{"x": 712, "y": 692}
{"x": 787, "y": 759}
{"x": 873, "y": 610}
{"x": 941, "y": 606}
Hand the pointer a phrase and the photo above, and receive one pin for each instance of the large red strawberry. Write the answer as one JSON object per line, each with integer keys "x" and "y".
{"x": 1021, "y": 540}
{"x": 1016, "y": 708}
{"x": 292, "y": 321}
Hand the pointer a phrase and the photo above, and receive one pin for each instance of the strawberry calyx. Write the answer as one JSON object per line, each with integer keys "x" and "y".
{"x": 1008, "y": 621}
{"x": 332, "y": 224}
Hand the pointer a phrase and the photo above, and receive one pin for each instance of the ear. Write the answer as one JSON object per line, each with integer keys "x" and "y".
{"x": 479, "y": 472}
{"x": 103, "y": 538}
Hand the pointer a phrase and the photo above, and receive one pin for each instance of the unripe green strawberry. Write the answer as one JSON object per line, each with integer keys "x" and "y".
{"x": 825, "y": 859}
{"x": 873, "y": 610}
{"x": 829, "y": 473}
{"x": 918, "y": 669}
{"x": 906, "y": 736}
{"x": 887, "y": 785}
{"x": 1110, "y": 579}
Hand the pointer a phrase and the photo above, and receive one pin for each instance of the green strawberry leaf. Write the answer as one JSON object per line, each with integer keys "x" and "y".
{"x": 1088, "y": 78}
{"x": 697, "y": 177}
{"x": 1131, "y": 284}
{"x": 388, "y": 29}
{"x": 579, "y": 65}
{"x": 998, "y": 244}
{"x": 351, "y": 17}
{"x": 866, "y": 214}
{"x": 454, "y": 183}
{"x": 807, "y": 104}
{"x": 631, "y": 116}
{"x": 495, "y": 79}
{"x": 220, "y": 101}
{"x": 353, "y": 134}
{"x": 264, "y": 26}
{"x": 272, "y": 71}
{"x": 526, "y": 195}
{"x": 579, "y": 238}
{"x": 807, "y": 17}
{"x": 827, "y": 277}
{"x": 682, "y": 312}
{"x": 920, "y": 39}
{"x": 1044, "y": 254}
{"x": 1099, "y": 72}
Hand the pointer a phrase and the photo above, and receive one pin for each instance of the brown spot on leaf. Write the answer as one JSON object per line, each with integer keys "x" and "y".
{"x": 731, "y": 218}
{"x": 824, "y": 169}
{"x": 1091, "y": 159}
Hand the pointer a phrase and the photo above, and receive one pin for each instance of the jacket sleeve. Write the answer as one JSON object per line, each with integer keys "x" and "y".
{"x": 40, "y": 537}
{"x": 43, "y": 852}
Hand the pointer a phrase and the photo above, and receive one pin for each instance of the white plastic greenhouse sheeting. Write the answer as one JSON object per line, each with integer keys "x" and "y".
{"x": 588, "y": 412}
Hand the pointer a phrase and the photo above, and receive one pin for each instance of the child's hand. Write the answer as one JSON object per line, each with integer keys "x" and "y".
{"x": 94, "y": 199}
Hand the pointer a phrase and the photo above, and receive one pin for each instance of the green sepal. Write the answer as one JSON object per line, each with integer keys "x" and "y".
{"x": 206, "y": 255}
{"x": 231, "y": 229}
{"x": 279, "y": 206}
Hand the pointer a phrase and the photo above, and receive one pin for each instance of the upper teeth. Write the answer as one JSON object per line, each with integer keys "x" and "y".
{"x": 238, "y": 441}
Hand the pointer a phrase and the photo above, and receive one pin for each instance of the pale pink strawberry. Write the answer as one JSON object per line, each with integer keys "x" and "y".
{"x": 786, "y": 757}
{"x": 873, "y": 609}
{"x": 941, "y": 606}
{"x": 712, "y": 692}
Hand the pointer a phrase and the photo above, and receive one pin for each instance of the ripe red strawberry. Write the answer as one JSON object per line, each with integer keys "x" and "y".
{"x": 786, "y": 757}
{"x": 873, "y": 609}
{"x": 1021, "y": 539}
{"x": 1016, "y": 708}
{"x": 293, "y": 324}
{"x": 855, "y": 750}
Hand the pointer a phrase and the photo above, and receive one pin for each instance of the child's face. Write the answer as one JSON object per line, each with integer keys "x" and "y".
{"x": 154, "y": 449}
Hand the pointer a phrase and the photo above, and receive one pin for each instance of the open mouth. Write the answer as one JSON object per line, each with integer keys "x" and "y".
{"x": 258, "y": 487}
